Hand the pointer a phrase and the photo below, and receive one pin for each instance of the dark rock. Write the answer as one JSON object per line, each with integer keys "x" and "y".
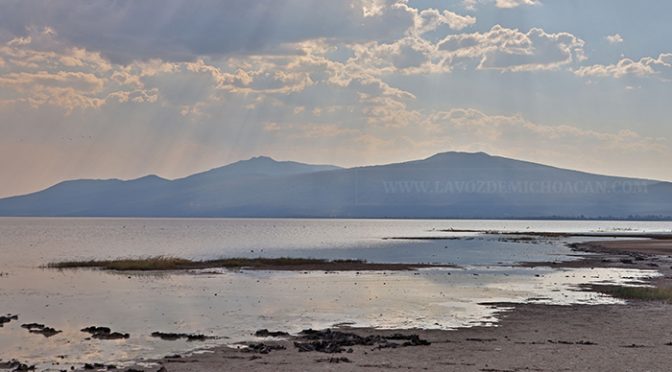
{"x": 46, "y": 332}
{"x": 105, "y": 333}
{"x": 267, "y": 333}
{"x": 262, "y": 348}
{"x": 482, "y": 339}
{"x": 335, "y": 342}
{"x": 321, "y": 346}
{"x": 92, "y": 366}
{"x": 31, "y": 326}
{"x": 417, "y": 341}
{"x": 176, "y": 336}
{"x": 8, "y": 318}
{"x": 15, "y": 365}
{"x": 95, "y": 329}
{"x": 634, "y": 346}
{"x": 40, "y": 329}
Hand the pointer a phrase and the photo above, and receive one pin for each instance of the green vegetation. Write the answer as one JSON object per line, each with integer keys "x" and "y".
{"x": 638, "y": 293}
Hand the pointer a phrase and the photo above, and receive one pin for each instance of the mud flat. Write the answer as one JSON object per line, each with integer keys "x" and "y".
{"x": 530, "y": 337}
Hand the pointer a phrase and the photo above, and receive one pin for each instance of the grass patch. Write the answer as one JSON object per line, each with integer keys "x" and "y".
{"x": 174, "y": 263}
{"x": 148, "y": 263}
{"x": 165, "y": 263}
{"x": 638, "y": 293}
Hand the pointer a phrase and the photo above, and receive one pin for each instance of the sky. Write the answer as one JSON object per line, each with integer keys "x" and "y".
{"x": 125, "y": 88}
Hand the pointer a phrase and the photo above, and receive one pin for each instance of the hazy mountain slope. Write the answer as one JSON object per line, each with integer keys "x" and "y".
{"x": 257, "y": 166}
{"x": 457, "y": 185}
{"x": 80, "y": 197}
{"x": 146, "y": 196}
{"x": 447, "y": 185}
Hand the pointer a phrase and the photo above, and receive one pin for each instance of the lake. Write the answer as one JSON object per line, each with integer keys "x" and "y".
{"x": 231, "y": 305}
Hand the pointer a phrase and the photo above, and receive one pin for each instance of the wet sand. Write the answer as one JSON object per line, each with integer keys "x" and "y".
{"x": 635, "y": 336}
{"x": 530, "y": 337}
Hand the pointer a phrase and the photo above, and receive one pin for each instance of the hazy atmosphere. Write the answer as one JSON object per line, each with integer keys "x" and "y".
{"x": 93, "y": 90}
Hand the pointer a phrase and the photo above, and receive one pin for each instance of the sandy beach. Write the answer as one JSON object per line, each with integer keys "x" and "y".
{"x": 529, "y": 338}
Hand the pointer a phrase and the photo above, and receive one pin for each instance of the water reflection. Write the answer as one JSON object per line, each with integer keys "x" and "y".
{"x": 232, "y": 305}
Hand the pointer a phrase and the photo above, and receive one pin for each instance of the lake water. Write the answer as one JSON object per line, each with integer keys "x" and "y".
{"x": 232, "y": 305}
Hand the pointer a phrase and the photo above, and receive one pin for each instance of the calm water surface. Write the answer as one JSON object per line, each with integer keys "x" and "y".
{"x": 232, "y": 305}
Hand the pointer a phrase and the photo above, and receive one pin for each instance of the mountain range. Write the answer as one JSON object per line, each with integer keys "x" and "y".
{"x": 446, "y": 185}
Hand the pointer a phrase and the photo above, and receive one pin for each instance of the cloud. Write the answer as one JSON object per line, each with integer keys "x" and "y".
{"x": 38, "y": 70}
{"x": 468, "y": 129}
{"x": 513, "y": 130}
{"x": 471, "y": 5}
{"x": 511, "y": 50}
{"x": 564, "y": 145}
{"x": 156, "y": 73}
{"x": 508, "y": 4}
{"x": 181, "y": 30}
{"x": 614, "y": 39}
{"x": 660, "y": 67}
{"x": 430, "y": 19}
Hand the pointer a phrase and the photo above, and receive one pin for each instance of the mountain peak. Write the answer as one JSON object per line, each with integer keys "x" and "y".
{"x": 262, "y": 158}
{"x": 150, "y": 177}
{"x": 459, "y": 154}
{"x": 262, "y": 166}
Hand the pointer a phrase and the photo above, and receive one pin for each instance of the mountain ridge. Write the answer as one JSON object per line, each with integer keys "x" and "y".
{"x": 444, "y": 185}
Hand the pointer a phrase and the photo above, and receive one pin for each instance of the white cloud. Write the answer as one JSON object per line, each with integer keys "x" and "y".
{"x": 471, "y": 5}
{"x": 507, "y": 4}
{"x": 614, "y": 39}
{"x": 508, "y": 49}
{"x": 429, "y": 19}
{"x": 37, "y": 71}
{"x": 372, "y": 8}
{"x": 660, "y": 67}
